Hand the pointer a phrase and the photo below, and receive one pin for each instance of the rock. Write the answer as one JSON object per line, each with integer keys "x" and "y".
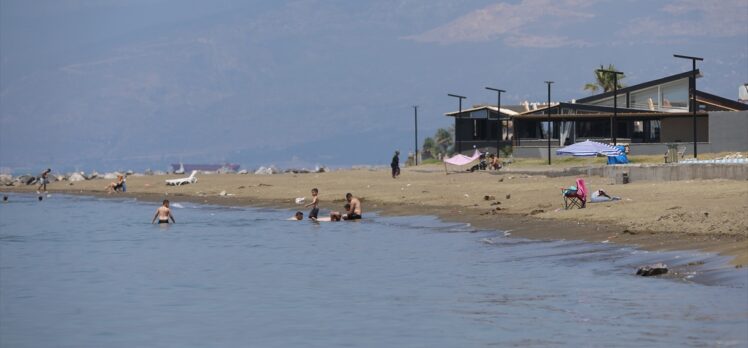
{"x": 489, "y": 198}
{"x": 321, "y": 169}
{"x": 223, "y": 193}
{"x": 6, "y": 180}
{"x": 243, "y": 171}
{"x": 300, "y": 200}
{"x": 112, "y": 176}
{"x": 537, "y": 211}
{"x": 652, "y": 270}
{"x": 508, "y": 196}
{"x": 266, "y": 171}
{"x": 75, "y": 177}
{"x": 496, "y": 203}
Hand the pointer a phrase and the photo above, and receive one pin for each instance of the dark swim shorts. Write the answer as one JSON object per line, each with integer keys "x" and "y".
{"x": 163, "y": 221}
{"x": 353, "y": 216}
{"x": 313, "y": 213}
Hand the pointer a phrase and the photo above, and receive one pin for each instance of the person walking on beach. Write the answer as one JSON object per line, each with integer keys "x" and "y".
{"x": 43, "y": 181}
{"x": 163, "y": 213}
{"x": 314, "y": 204}
{"x": 395, "y": 164}
{"x": 354, "y": 211}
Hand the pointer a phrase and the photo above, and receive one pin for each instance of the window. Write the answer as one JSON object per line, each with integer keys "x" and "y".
{"x": 647, "y": 99}
{"x": 675, "y": 96}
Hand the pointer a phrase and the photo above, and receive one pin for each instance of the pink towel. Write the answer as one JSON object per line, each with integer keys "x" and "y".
{"x": 581, "y": 189}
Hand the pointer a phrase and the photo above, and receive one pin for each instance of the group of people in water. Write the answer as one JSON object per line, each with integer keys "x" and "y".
{"x": 352, "y": 209}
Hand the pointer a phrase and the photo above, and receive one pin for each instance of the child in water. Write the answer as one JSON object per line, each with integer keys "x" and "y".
{"x": 314, "y": 204}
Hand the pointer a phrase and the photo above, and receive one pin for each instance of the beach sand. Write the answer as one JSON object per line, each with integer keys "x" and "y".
{"x": 707, "y": 215}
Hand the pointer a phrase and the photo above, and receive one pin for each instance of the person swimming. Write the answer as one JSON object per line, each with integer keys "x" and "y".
{"x": 163, "y": 213}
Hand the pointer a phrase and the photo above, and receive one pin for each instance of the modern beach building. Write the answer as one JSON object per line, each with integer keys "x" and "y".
{"x": 648, "y": 115}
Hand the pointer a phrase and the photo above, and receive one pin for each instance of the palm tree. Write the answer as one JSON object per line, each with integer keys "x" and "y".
{"x": 604, "y": 80}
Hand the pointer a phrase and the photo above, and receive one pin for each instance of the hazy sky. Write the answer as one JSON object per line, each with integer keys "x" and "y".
{"x": 134, "y": 84}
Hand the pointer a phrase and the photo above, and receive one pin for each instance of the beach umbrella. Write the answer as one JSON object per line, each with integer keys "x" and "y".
{"x": 588, "y": 149}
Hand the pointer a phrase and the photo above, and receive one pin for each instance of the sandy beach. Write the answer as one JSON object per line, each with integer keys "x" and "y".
{"x": 706, "y": 215}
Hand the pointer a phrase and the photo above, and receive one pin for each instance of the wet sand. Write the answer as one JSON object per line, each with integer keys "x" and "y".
{"x": 707, "y": 215}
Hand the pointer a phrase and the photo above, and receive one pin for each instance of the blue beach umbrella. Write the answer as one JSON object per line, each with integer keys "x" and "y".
{"x": 588, "y": 149}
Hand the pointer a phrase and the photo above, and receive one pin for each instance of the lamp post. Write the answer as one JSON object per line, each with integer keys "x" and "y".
{"x": 498, "y": 117}
{"x": 415, "y": 110}
{"x": 459, "y": 143}
{"x": 613, "y": 122}
{"x": 550, "y": 129}
{"x": 692, "y": 92}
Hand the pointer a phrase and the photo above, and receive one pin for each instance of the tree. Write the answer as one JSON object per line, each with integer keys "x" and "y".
{"x": 604, "y": 81}
{"x": 429, "y": 147}
{"x": 444, "y": 139}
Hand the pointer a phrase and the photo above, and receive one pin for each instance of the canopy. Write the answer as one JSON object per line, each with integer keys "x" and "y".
{"x": 461, "y": 160}
{"x": 588, "y": 149}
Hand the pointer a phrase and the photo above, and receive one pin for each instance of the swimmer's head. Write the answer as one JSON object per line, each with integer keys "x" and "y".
{"x": 347, "y": 206}
{"x": 315, "y": 191}
{"x": 5, "y": 198}
{"x": 348, "y": 196}
{"x": 299, "y": 215}
{"x": 166, "y": 202}
{"x": 40, "y": 198}
{"x": 335, "y": 216}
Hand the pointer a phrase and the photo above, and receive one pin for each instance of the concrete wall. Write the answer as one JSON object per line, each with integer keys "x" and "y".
{"x": 674, "y": 172}
{"x": 728, "y": 131}
{"x": 680, "y": 129}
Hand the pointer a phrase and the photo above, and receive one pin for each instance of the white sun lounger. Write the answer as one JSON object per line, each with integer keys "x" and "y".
{"x": 183, "y": 181}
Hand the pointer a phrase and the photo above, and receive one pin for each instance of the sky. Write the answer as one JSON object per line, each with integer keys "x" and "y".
{"x": 136, "y": 84}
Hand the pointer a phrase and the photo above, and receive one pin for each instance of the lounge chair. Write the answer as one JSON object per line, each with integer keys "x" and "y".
{"x": 575, "y": 196}
{"x": 183, "y": 181}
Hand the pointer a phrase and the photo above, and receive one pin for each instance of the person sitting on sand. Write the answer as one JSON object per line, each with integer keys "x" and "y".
{"x": 314, "y": 204}
{"x": 163, "y": 213}
{"x": 116, "y": 185}
{"x": 600, "y": 196}
{"x": 494, "y": 163}
{"x": 354, "y": 211}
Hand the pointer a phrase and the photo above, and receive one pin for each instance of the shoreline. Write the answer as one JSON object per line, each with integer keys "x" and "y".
{"x": 532, "y": 225}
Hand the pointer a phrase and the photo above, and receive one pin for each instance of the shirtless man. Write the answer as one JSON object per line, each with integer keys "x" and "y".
{"x": 354, "y": 212}
{"x": 43, "y": 181}
{"x": 163, "y": 213}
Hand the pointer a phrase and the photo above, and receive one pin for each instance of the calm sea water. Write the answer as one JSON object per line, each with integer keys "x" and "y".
{"x": 87, "y": 272}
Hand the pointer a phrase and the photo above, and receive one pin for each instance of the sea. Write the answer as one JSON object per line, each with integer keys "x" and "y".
{"x": 78, "y": 271}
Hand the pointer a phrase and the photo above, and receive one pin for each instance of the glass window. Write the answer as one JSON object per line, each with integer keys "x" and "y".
{"x": 675, "y": 96}
{"x": 647, "y": 99}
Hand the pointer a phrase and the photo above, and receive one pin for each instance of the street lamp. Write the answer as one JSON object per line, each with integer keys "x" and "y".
{"x": 613, "y": 122}
{"x": 550, "y": 129}
{"x": 415, "y": 109}
{"x": 692, "y": 92}
{"x": 498, "y": 116}
{"x": 459, "y": 143}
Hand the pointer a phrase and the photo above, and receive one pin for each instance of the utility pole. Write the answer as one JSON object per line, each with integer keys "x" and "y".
{"x": 415, "y": 109}
{"x": 550, "y": 124}
{"x": 498, "y": 117}
{"x": 692, "y": 91}
{"x": 459, "y": 115}
{"x": 614, "y": 120}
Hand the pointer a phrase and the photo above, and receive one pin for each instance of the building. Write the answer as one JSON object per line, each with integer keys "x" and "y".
{"x": 648, "y": 115}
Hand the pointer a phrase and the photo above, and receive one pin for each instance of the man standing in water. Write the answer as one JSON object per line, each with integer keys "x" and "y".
{"x": 395, "y": 164}
{"x": 43, "y": 181}
{"x": 163, "y": 213}
{"x": 354, "y": 211}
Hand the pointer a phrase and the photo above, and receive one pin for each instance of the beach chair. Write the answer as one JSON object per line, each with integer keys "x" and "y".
{"x": 575, "y": 196}
{"x": 183, "y": 181}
